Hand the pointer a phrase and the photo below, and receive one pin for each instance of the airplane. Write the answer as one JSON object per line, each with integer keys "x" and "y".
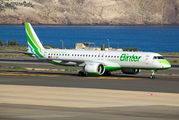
{"x": 96, "y": 62}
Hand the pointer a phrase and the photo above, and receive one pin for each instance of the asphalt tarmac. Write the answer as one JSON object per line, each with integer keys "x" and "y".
{"x": 64, "y": 95}
{"x": 140, "y": 82}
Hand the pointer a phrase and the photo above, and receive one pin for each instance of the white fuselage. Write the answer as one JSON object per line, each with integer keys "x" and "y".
{"x": 140, "y": 60}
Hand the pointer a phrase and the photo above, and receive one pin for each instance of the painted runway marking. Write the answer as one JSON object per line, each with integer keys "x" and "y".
{"x": 21, "y": 73}
{"x": 45, "y": 75}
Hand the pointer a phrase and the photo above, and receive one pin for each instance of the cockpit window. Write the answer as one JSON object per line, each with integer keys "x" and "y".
{"x": 158, "y": 57}
{"x": 161, "y": 57}
{"x": 155, "y": 57}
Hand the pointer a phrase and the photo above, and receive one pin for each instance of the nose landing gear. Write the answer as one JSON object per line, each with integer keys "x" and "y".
{"x": 152, "y": 76}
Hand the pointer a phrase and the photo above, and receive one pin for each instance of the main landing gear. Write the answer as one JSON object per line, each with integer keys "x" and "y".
{"x": 107, "y": 73}
{"x": 152, "y": 76}
{"x": 81, "y": 73}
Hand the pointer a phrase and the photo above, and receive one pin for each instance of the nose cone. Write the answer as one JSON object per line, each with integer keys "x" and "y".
{"x": 165, "y": 64}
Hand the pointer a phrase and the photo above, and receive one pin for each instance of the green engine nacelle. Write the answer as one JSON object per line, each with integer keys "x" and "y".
{"x": 94, "y": 68}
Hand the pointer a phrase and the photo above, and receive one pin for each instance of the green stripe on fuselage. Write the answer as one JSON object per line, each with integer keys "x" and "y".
{"x": 108, "y": 68}
{"x": 146, "y": 68}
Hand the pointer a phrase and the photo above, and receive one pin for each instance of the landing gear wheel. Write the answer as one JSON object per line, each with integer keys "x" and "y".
{"x": 152, "y": 76}
{"x": 107, "y": 73}
{"x": 80, "y": 73}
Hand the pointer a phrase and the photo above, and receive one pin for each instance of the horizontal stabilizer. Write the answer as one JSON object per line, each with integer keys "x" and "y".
{"x": 24, "y": 52}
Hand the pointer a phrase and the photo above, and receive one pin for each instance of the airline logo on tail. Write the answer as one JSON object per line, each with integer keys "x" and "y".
{"x": 33, "y": 41}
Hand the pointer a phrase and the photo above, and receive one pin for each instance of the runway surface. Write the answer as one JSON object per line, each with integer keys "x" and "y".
{"x": 140, "y": 82}
{"x": 62, "y": 95}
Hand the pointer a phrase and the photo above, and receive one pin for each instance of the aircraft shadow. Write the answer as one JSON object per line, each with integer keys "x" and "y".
{"x": 64, "y": 73}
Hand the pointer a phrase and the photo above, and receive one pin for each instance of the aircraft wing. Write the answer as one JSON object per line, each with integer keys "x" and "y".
{"x": 64, "y": 60}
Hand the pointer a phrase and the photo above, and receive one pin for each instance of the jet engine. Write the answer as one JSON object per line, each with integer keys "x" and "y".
{"x": 130, "y": 71}
{"x": 94, "y": 68}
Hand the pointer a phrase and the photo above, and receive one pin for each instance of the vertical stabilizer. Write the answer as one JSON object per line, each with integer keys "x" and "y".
{"x": 33, "y": 41}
